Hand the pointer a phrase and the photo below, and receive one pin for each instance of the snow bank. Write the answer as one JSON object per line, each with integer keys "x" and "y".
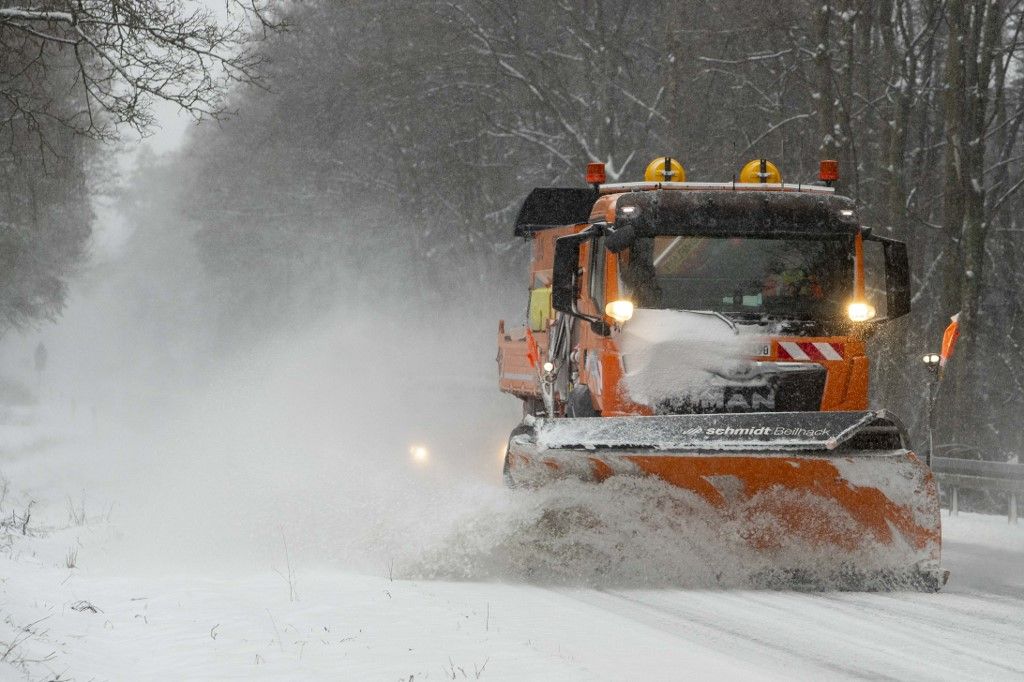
{"x": 983, "y": 530}
{"x": 671, "y": 354}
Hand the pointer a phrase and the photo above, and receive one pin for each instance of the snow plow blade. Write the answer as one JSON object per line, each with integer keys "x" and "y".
{"x": 827, "y": 498}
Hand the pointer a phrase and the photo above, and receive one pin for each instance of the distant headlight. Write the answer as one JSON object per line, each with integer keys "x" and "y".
{"x": 860, "y": 311}
{"x": 620, "y": 311}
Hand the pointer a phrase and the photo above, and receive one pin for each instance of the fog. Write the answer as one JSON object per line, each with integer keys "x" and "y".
{"x": 204, "y": 454}
{"x": 191, "y": 450}
{"x": 296, "y": 448}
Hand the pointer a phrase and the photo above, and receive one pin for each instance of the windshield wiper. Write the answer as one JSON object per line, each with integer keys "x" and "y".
{"x": 723, "y": 318}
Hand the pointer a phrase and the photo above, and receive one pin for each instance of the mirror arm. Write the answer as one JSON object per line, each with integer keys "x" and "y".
{"x": 597, "y": 324}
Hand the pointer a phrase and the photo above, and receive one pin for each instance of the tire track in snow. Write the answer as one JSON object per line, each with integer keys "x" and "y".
{"x": 948, "y": 625}
{"x": 918, "y": 622}
{"x": 707, "y": 632}
{"x": 844, "y": 636}
{"x": 740, "y": 617}
{"x": 907, "y": 611}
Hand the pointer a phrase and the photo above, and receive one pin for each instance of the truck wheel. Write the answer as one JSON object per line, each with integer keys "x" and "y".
{"x": 580, "y": 404}
{"x": 506, "y": 470}
{"x": 533, "y": 408}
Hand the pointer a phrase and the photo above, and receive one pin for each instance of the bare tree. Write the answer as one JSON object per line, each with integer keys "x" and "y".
{"x": 430, "y": 144}
{"x": 71, "y": 73}
{"x": 116, "y": 56}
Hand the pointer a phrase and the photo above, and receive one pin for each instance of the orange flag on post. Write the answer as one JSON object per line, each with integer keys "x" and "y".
{"x": 949, "y": 338}
{"x": 532, "y": 350}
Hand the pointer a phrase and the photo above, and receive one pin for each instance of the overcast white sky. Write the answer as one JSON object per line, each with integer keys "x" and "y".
{"x": 169, "y": 131}
{"x": 110, "y": 232}
{"x": 170, "y": 128}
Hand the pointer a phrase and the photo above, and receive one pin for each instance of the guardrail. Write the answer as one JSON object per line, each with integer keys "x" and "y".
{"x": 972, "y": 474}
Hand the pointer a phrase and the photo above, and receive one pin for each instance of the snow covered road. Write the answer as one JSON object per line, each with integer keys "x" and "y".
{"x": 176, "y": 536}
{"x": 349, "y": 626}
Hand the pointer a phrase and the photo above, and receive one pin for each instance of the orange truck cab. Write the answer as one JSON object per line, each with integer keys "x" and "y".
{"x": 787, "y": 267}
{"x": 711, "y": 335}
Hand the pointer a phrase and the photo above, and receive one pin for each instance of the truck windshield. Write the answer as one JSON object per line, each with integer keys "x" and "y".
{"x": 808, "y": 279}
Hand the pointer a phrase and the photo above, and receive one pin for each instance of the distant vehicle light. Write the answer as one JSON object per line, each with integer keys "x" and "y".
{"x": 419, "y": 453}
{"x": 620, "y": 311}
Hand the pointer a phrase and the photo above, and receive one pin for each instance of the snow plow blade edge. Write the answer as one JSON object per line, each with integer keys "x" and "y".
{"x": 816, "y": 493}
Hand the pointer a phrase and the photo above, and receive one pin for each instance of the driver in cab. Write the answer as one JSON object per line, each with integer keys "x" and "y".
{"x": 788, "y": 277}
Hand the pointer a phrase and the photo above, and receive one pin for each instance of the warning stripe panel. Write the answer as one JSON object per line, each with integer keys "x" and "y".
{"x": 830, "y": 351}
{"x": 790, "y": 350}
{"x": 814, "y": 351}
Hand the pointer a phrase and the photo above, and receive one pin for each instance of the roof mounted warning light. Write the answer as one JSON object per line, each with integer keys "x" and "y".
{"x": 828, "y": 172}
{"x": 665, "y": 169}
{"x": 761, "y": 171}
{"x": 596, "y": 174}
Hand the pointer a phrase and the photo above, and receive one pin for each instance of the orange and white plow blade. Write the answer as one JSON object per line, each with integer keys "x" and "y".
{"x": 837, "y": 494}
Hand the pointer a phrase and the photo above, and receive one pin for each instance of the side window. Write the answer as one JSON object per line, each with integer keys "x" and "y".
{"x": 539, "y": 312}
{"x": 874, "y": 277}
{"x": 597, "y": 262}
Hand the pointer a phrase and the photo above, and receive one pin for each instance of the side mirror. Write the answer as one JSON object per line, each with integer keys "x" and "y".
{"x": 897, "y": 277}
{"x": 620, "y": 238}
{"x": 564, "y": 288}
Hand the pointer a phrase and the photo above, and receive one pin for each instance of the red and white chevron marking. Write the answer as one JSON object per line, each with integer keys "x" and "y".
{"x": 810, "y": 350}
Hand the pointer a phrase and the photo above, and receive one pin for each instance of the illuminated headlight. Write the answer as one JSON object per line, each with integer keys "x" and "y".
{"x": 860, "y": 311}
{"x": 549, "y": 367}
{"x": 419, "y": 453}
{"x": 620, "y": 311}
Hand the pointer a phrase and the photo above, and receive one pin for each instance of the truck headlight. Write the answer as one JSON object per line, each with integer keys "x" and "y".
{"x": 620, "y": 310}
{"x": 860, "y": 311}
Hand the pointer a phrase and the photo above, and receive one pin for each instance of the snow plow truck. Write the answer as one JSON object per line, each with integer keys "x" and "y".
{"x": 712, "y": 335}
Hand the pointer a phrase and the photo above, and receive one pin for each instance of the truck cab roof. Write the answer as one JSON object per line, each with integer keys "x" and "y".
{"x": 814, "y": 207}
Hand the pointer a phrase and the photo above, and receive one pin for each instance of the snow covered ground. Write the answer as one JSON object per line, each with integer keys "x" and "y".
{"x": 80, "y": 624}
{"x": 155, "y": 549}
{"x": 117, "y": 616}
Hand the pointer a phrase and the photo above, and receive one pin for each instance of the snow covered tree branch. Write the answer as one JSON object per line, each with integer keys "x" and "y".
{"x": 115, "y": 57}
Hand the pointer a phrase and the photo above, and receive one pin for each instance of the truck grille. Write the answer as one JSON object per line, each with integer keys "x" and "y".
{"x": 792, "y": 388}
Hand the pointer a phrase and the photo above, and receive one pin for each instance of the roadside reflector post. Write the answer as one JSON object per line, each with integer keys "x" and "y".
{"x": 954, "y": 502}
{"x": 1012, "y": 516}
{"x": 931, "y": 361}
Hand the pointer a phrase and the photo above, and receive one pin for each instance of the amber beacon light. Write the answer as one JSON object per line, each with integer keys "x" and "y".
{"x": 828, "y": 171}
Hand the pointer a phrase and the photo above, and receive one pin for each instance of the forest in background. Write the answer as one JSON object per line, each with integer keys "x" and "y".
{"x": 386, "y": 146}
